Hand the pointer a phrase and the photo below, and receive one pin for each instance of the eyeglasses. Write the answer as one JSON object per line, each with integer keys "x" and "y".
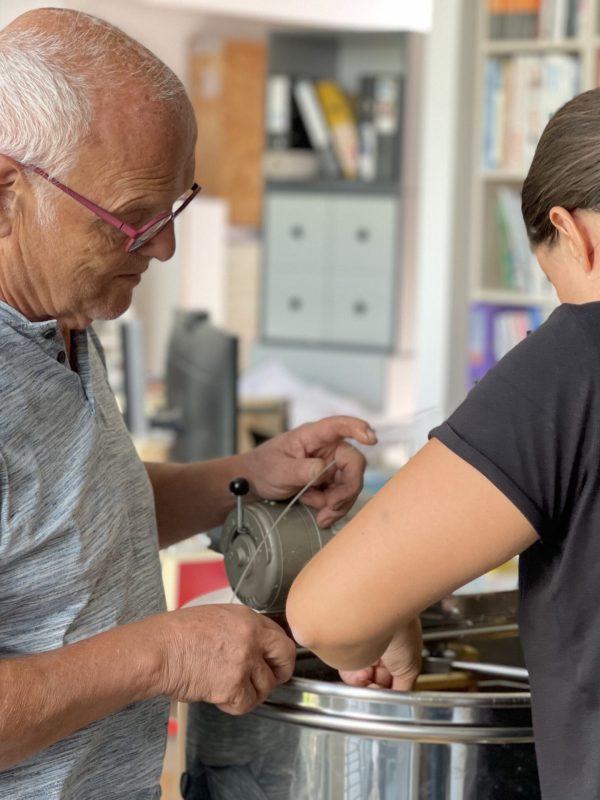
{"x": 138, "y": 237}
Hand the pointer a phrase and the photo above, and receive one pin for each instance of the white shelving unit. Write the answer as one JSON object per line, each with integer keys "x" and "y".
{"x": 486, "y": 284}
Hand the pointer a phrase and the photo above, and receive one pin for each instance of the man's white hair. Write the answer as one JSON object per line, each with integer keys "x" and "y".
{"x": 47, "y": 83}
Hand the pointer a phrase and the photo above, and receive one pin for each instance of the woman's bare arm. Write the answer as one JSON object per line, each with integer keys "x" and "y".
{"x": 436, "y": 525}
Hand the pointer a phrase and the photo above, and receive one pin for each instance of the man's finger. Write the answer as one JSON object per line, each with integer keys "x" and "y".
{"x": 297, "y": 472}
{"x": 263, "y": 679}
{"x": 279, "y": 652}
{"x": 245, "y": 701}
{"x": 314, "y": 498}
{"x": 329, "y": 430}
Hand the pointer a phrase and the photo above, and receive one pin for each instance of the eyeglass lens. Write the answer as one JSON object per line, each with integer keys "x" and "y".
{"x": 150, "y": 233}
{"x": 159, "y": 224}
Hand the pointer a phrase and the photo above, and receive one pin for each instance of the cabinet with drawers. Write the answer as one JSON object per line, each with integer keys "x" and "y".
{"x": 331, "y": 268}
{"x": 331, "y": 276}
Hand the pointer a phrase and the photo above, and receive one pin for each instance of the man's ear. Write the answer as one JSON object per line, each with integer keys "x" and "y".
{"x": 9, "y": 175}
{"x": 575, "y": 234}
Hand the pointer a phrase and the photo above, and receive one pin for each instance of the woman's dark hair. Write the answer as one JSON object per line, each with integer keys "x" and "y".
{"x": 565, "y": 170}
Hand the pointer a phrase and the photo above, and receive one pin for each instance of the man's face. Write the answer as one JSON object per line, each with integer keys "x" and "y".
{"x": 136, "y": 164}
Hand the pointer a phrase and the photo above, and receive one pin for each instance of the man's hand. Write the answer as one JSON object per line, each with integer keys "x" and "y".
{"x": 222, "y": 654}
{"x": 283, "y": 465}
{"x": 398, "y": 668}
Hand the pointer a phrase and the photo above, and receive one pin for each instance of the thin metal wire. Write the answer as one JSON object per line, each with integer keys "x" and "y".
{"x": 266, "y": 535}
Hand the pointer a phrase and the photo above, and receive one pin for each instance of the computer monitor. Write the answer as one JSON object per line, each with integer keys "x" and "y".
{"x": 201, "y": 387}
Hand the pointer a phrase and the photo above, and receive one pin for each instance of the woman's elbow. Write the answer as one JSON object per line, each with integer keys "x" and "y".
{"x": 325, "y": 632}
{"x": 305, "y": 628}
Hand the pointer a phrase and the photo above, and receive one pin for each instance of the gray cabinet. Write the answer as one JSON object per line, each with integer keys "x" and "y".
{"x": 332, "y": 244}
{"x": 331, "y": 264}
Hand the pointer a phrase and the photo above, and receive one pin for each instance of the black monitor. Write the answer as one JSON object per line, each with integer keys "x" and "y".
{"x": 201, "y": 385}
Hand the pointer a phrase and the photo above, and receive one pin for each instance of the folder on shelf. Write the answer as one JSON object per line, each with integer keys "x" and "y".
{"x": 316, "y": 126}
{"x": 386, "y": 118}
{"x": 278, "y": 112}
{"x": 344, "y": 134}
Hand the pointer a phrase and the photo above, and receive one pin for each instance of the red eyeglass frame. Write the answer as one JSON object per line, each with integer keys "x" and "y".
{"x": 135, "y": 234}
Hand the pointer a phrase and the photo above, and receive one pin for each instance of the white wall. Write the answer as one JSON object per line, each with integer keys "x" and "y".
{"x": 444, "y": 194}
{"x": 364, "y": 15}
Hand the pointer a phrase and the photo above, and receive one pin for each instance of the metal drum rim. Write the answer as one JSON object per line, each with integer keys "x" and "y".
{"x": 405, "y": 731}
{"x": 441, "y": 699}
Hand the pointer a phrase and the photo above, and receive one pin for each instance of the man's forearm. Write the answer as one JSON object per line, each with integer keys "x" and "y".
{"x": 193, "y": 498}
{"x": 48, "y": 696}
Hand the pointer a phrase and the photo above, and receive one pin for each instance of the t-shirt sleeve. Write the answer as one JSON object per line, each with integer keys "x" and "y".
{"x": 531, "y": 425}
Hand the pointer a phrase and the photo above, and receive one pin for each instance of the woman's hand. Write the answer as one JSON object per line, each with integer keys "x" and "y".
{"x": 398, "y": 668}
{"x": 285, "y": 464}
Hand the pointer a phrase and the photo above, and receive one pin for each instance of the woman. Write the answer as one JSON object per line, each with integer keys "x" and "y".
{"x": 515, "y": 469}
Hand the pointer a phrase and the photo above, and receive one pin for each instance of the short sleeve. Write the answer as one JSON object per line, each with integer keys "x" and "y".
{"x": 531, "y": 425}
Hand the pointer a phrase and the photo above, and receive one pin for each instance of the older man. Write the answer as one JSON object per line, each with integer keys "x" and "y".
{"x": 88, "y": 658}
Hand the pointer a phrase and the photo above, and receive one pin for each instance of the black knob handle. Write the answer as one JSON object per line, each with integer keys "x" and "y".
{"x": 360, "y": 307}
{"x": 295, "y": 303}
{"x": 239, "y": 487}
{"x": 363, "y": 234}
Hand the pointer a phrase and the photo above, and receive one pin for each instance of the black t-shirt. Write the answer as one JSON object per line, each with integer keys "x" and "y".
{"x": 532, "y": 427}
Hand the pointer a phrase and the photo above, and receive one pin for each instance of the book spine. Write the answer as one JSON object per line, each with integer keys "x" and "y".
{"x": 316, "y": 126}
{"x": 500, "y": 111}
{"x": 367, "y": 135}
{"x": 386, "y": 114}
{"x": 492, "y": 72}
{"x": 534, "y": 121}
{"x": 342, "y": 125}
{"x": 513, "y": 19}
{"x": 494, "y": 331}
{"x": 278, "y": 112}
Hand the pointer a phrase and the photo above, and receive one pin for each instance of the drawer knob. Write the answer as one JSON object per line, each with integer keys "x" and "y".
{"x": 297, "y": 232}
{"x": 360, "y": 308}
{"x": 295, "y": 303}
{"x": 363, "y": 234}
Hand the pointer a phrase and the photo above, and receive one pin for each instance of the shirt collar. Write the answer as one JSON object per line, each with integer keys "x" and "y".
{"x": 14, "y": 319}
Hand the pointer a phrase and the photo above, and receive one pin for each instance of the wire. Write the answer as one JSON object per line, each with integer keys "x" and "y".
{"x": 266, "y": 535}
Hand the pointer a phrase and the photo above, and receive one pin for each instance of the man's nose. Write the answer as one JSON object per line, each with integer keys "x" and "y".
{"x": 161, "y": 246}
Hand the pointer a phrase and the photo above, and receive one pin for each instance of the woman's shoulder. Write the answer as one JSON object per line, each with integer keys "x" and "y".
{"x": 566, "y": 342}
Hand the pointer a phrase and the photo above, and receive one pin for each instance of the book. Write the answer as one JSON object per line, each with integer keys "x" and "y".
{"x": 513, "y": 19}
{"x": 561, "y": 19}
{"x": 284, "y": 124}
{"x": 492, "y": 84}
{"x": 342, "y": 125}
{"x": 507, "y": 269}
{"x": 278, "y": 112}
{"x": 494, "y": 331}
{"x": 386, "y": 116}
{"x": 521, "y": 94}
{"x": 316, "y": 127}
{"x": 367, "y": 133}
{"x": 521, "y": 259}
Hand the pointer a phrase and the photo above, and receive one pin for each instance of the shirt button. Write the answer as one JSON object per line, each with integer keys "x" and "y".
{"x": 61, "y": 357}
{"x": 50, "y": 333}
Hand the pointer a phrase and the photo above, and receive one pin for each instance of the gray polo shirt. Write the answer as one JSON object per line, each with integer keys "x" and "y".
{"x": 78, "y": 550}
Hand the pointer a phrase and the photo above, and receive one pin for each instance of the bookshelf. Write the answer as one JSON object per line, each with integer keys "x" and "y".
{"x": 521, "y": 78}
{"x": 332, "y": 243}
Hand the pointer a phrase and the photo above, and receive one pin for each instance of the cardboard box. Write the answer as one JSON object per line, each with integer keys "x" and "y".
{"x": 227, "y": 87}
